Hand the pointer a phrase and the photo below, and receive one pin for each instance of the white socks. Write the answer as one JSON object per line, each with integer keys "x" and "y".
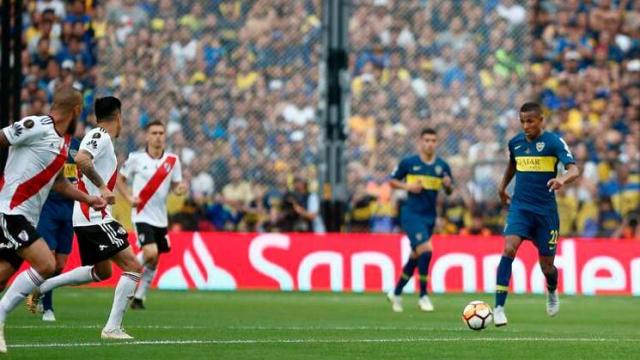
{"x": 146, "y": 279}
{"x": 21, "y": 287}
{"x": 78, "y": 276}
{"x": 145, "y": 282}
{"x": 124, "y": 292}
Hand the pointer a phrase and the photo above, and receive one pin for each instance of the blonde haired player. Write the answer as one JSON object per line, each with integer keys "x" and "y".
{"x": 153, "y": 173}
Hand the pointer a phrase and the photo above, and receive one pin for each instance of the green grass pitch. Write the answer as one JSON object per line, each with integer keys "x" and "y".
{"x": 268, "y": 325}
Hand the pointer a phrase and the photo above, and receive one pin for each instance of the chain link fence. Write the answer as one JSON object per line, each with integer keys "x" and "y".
{"x": 236, "y": 81}
{"x": 456, "y": 66}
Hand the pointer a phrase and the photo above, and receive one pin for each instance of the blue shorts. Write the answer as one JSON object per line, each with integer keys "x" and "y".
{"x": 418, "y": 229}
{"x": 56, "y": 227}
{"x": 541, "y": 229}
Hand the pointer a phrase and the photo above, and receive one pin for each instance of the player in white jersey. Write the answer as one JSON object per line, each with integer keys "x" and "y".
{"x": 37, "y": 153}
{"x": 101, "y": 239}
{"x": 153, "y": 174}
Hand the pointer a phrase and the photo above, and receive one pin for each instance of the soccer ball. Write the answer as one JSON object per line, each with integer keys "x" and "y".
{"x": 477, "y": 315}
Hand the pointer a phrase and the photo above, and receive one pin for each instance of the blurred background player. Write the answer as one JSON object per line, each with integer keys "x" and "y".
{"x": 533, "y": 213}
{"x": 153, "y": 173}
{"x": 38, "y": 149}
{"x": 101, "y": 239}
{"x": 422, "y": 176}
{"x": 56, "y": 226}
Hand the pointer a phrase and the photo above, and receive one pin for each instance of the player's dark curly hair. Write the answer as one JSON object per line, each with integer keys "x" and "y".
{"x": 531, "y": 106}
{"x": 106, "y": 108}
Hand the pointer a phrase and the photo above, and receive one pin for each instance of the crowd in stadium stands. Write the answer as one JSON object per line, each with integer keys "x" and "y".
{"x": 237, "y": 83}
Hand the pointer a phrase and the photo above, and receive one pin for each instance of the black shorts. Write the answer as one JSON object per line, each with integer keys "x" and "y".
{"x": 100, "y": 242}
{"x": 149, "y": 234}
{"x": 17, "y": 233}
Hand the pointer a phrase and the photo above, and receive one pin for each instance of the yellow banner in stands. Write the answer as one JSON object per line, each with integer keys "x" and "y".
{"x": 536, "y": 163}
{"x": 428, "y": 182}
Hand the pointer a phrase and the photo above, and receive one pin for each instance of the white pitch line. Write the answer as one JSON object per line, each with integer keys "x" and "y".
{"x": 312, "y": 341}
{"x": 159, "y": 327}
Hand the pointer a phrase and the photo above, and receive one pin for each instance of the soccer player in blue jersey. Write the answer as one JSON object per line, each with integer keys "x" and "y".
{"x": 534, "y": 155}
{"x": 56, "y": 226}
{"x": 422, "y": 176}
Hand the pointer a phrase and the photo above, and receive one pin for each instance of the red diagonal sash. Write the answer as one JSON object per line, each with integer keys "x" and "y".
{"x": 32, "y": 186}
{"x": 82, "y": 187}
{"x": 156, "y": 180}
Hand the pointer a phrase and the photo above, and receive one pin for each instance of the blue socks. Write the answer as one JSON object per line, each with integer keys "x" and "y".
{"x": 502, "y": 280}
{"x": 552, "y": 280}
{"x": 47, "y": 301}
{"x": 423, "y": 270}
{"x": 407, "y": 272}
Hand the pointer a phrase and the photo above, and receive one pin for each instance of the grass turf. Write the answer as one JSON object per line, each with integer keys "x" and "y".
{"x": 267, "y": 325}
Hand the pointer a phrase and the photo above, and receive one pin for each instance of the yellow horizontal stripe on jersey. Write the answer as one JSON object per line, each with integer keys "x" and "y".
{"x": 536, "y": 163}
{"x": 428, "y": 182}
{"x": 70, "y": 171}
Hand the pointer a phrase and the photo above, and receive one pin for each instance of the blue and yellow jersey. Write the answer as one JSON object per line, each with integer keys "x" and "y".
{"x": 71, "y": 173}
{"x": 536, "y": 163}
{"x": 413, "y": 169}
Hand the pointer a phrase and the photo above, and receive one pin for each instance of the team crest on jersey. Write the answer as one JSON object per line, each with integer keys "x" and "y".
{"x": 539, "y": 146}
{"x": 438, "y": 170}
{"x": 28, "y": 124}
{"x": 23, "y": 236}
{"x": 96, "y": 135}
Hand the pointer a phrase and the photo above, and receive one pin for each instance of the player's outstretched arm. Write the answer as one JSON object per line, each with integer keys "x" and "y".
{"x": 509, "y": 173}
{"x": 84, "y": 161}
{"x": 123, "y": 188}
{"x": 63, "y": 187}
{"x": 573, "y": 172}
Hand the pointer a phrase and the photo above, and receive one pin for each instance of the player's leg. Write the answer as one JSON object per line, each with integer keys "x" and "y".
{"x": 9, "y": 264}
{"x": 516, "y": 229}
{"x": 48, "y": 227}
{"x": 148, "y": 257}
{"x": 90, "y": 254}
{"x": 153, "y": 241}
{"x": 42, "y": 266}
{"x": 61, "y": 244}
{"x": 424, "y": 251}
{"x": 131, "y": 270}
{"x": 546, "y": 240}
{"x": 411, "y": 229}
{"x": 7, "y": 269}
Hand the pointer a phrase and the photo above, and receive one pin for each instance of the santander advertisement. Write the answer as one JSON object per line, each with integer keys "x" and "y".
{"x": 372, "y": 262}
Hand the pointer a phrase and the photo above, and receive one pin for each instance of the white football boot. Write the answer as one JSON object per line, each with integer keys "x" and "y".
{"x": 396, "y": 301}
{"x": 425, "y": 303}
{"x": 115, "y": 334}
{"x": 499, "y": 317}
{"x": 553, "y": 303}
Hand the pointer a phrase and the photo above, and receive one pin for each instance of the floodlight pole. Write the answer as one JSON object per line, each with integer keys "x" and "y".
{"x": 334, "y": 110}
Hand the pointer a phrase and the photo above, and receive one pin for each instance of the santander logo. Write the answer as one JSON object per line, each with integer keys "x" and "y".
{"x": 372, "y": 262}
{"x": 208, "y": 276}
